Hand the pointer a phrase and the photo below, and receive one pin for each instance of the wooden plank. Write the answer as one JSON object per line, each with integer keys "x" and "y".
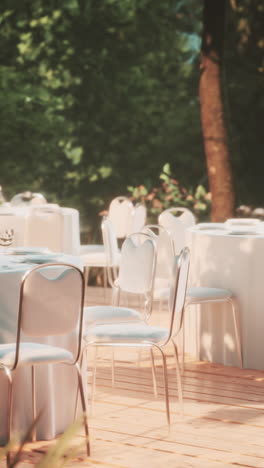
{"x": 223, "y": 421}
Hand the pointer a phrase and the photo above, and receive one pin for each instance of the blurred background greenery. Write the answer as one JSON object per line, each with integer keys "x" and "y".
{"x": 100, "y": 98}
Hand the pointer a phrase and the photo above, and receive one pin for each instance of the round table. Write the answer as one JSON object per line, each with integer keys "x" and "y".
{"x": 56, "y": 385}
{"x": 18, "y": 218}
{"x": 235, "y": 261}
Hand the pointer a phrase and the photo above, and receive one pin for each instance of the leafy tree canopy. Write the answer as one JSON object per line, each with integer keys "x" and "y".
{"x": 96, "y": 96}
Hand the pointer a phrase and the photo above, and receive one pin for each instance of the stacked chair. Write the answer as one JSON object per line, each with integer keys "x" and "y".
{"x": 176, "y": 221}
{"x": 126, "y": 219}
{"x": 28, "y": 198}
{"x": 136, "y": 274}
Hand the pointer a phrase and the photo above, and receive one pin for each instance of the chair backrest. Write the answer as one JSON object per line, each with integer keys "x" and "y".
{"x": 184, "y": 215}
{"x": 51, "y": 304}
{"x": 178, "y": 291}
{"x": 138, "y": 264}
{"x": 111, "y": 249}
{"x": 138, "y": 218}
{"x": 44, "y": 228}
{"x": 110, "y": 242}
{"x": 165, "y": 250}
{"x": 175, "y": 228}
{"x": 28, "y": 198}
{"x": 120, "y": 214}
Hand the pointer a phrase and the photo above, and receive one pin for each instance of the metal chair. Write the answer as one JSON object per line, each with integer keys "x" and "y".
{"x": 185, "y": 215}
{"x": 176, "y": 229}
{"x": 104, "y": 256}
{"x": 135, "y": 276}
{"x": 50, "y": 307}
{"x": 140, "y": 334}
{"x": 125, "y": 219}
{"x": 28, "y": 198}
{"x": 120, "y": 213}
{"x": 194, "y": 295}
{"x": 165, "y": 259}
{"x": 138, "y": 218}
{"x": 205, "y": 295}
{"x": 136, "y": 273}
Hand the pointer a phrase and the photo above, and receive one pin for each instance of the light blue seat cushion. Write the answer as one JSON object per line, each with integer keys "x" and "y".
{"x": 161, "y": 293}
{"x": 203, "y": 294}
{"x": 33, "y": 353}
{"x": 198, "y": 294}
{"x": 127, "y": 332}
{"x": 88, "y": 248}
{"x": 109, "y": 313}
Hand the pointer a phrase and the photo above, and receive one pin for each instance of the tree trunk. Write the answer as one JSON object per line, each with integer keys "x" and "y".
{"x": 212, "y": 112}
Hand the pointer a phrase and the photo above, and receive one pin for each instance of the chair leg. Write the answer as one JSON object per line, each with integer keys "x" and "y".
{"x": 86, "y": 278}
{"x": 77, "y": 393}
{"x": 85, "y": 420}
{"x": 94, "y": 378}
{"x": 8, "y": 373}
{"x": 178, "y": 375}
{"x": 86, "y": 275}
{"x": 113, "y": 367}
{"x": 34, "y": 411}
{"x": 153, "y": 370}
{"x": 115, "y": 272}
{"x": 237, "y": 335}
{"x": 166, "y": 387}
{"x": 115, "y": 296}
{"x": 139, "y": 355}
{"x": 183, "y": 343}
{"x": 104, "y": 282}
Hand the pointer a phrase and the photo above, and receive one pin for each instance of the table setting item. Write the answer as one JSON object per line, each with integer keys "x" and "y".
{"x": 43, "y": 258}
{"x": 28, "y": 251}
{"x": 6, "y": 237}
{"x": 242, "y": 232}
{"x": 243, "y": 226}
{"x": 209, "y": 226}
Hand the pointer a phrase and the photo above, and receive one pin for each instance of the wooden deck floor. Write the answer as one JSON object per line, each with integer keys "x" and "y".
{"x": 223, "y": 423}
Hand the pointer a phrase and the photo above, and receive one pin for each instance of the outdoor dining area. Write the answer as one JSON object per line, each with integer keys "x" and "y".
{"x": 160, "y": 365}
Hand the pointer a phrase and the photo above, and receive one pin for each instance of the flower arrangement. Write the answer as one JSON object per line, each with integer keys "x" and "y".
{"x": 171, "y": 193}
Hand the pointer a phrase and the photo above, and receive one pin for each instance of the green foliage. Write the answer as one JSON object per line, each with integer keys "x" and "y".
{"x": 171, "y": 194}
{"x": 96, "y": 96}
{"x": 57, "y": 456}
{"x": 90, "y": 90}
{"x": 244, "y": 81}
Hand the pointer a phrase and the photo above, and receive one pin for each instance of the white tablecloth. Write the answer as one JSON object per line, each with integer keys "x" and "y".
{"x": 235, "y": 262}
{"x": 56, "y": 385}
{"x": 17, "y": 218}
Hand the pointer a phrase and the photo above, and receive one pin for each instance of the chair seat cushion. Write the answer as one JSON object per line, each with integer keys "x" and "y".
{"x": 33, "y": 353}
{"x": 94, "y": 259}
{"x": 161, "y": 293}
{"x": 109, "y": 313}
{"x": 97, "y": 257}
{"x": 203, "y": 294}
{"x": 126, "y": 332}
{"x": 88, "y": 248}
{"x": 197, "y": 294}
